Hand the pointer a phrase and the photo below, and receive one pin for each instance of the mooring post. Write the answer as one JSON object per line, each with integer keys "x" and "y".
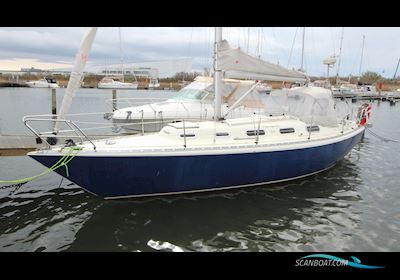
{"x": 114, "y": 99}
{"x": 53, "y": 101}
{"x": 54, "y": 105}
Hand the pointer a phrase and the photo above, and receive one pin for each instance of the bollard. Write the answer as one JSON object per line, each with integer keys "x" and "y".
{"x": 114, "y": 99}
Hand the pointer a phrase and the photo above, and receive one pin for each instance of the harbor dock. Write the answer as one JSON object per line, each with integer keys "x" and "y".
{"x": 17, "y": 145}
{"x": 20, "y": 145}
{"x": 383, "y": 96}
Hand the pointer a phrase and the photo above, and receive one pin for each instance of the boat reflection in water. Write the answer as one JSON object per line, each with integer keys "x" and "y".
{"x": 301, "y": 215}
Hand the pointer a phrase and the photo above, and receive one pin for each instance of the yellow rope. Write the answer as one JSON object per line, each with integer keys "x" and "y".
{"x": 63, "y": 161}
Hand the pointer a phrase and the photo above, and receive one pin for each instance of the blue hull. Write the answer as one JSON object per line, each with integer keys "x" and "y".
{"x": 138, "y": 176}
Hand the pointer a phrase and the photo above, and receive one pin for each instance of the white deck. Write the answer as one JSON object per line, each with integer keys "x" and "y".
{"x": 170, "y": 140}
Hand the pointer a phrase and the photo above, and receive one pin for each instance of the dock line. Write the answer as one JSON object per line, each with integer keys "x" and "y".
{"x": 381, "y": 137}
{"x": 63, "y": 161}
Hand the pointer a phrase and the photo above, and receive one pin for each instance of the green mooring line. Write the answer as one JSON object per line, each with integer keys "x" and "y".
{"x": 63, "y": 161}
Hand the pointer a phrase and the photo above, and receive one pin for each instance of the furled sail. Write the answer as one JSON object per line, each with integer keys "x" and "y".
{"x": 76, "y": 76}
{"x": 237, "y": 64}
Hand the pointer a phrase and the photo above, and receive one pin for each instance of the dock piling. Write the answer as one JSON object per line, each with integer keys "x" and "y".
{"x": 114, "y": 99}
{"x": 53, "y": 101}
{"x": 54, "y": 105}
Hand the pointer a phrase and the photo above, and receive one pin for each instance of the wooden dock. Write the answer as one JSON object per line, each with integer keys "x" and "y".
{"x": 383, "y": 96}
{"x": 17, "y": 145}
{"x": 20, "y": 145}
{"x": 12, "y": 84}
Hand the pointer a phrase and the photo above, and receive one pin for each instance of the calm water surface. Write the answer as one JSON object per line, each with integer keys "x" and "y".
{"x": 354, "y": 206}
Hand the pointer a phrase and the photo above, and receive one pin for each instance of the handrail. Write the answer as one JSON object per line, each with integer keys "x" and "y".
{"x": 71, "y": 125}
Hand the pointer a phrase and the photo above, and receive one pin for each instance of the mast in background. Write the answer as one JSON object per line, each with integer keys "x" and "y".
{"x": 120, "y": 53}
{"x": 362, "y": 54}
{"x": 302, "y": 50}
{"x": 248, "y": 39}
{"x": 217, "y": 75}
{"x": 340, "y": 56}
{"x": 397, "y": 67}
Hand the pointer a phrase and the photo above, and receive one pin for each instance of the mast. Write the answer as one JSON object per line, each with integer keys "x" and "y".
{"x": 362, "y": 53}
{"x": 248, "y": 39}
{"x": 302, "y": 50}
{"x": 394, "y": 76}
{"x": 120, "y": 52}
{"x": 258, "y": 45}
{"x": 340, "y": 56}
{"x": 217, "y": 75}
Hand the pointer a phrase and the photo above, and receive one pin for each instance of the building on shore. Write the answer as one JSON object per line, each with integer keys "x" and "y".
{"x": 147, "y": 69}
{"x": 141, "y": 72}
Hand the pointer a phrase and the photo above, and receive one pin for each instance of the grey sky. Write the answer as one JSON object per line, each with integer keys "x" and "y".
{"x": 59, "y": 45}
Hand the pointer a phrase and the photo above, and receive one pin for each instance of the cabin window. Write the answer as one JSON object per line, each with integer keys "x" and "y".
{"x": 255, "y": 132}
{"x": 188, "y": 135}
{"x": 312, "y": 128}
{"x": 222, "y": 134}
{"x": 190, "y": 94}
{"x": 286, "y": 130}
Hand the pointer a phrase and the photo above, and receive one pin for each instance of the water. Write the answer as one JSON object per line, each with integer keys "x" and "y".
{"x": 354, "y": 206}
{"x": 18, "y": 102}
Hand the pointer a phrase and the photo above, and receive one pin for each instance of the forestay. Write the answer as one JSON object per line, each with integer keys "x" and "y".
{"x": 313, "y": 105}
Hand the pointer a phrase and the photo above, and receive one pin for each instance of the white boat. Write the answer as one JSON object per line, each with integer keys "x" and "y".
{"x": 264, "y": 88}
{"x": 114, "y": 83}
{"x": 153, "y": 83}
{"x": 195, "y": 101}
{"x": 117, "y": 82}
{"x": 186, "y": 157}
{"x": 43, "y": 83}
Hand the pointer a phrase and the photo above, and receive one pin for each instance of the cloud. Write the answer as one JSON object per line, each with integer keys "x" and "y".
{"x": 275, "y": 44}
{"x": 15, "y": 64}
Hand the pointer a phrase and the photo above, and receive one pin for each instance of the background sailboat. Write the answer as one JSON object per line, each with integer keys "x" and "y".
{"x": 118, "y": 82}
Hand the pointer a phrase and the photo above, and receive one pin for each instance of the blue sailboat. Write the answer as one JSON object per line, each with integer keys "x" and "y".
{"x": 301, "y": 137}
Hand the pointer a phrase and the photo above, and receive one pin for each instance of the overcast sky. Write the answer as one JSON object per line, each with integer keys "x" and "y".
{"x": 56, "y": 47}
